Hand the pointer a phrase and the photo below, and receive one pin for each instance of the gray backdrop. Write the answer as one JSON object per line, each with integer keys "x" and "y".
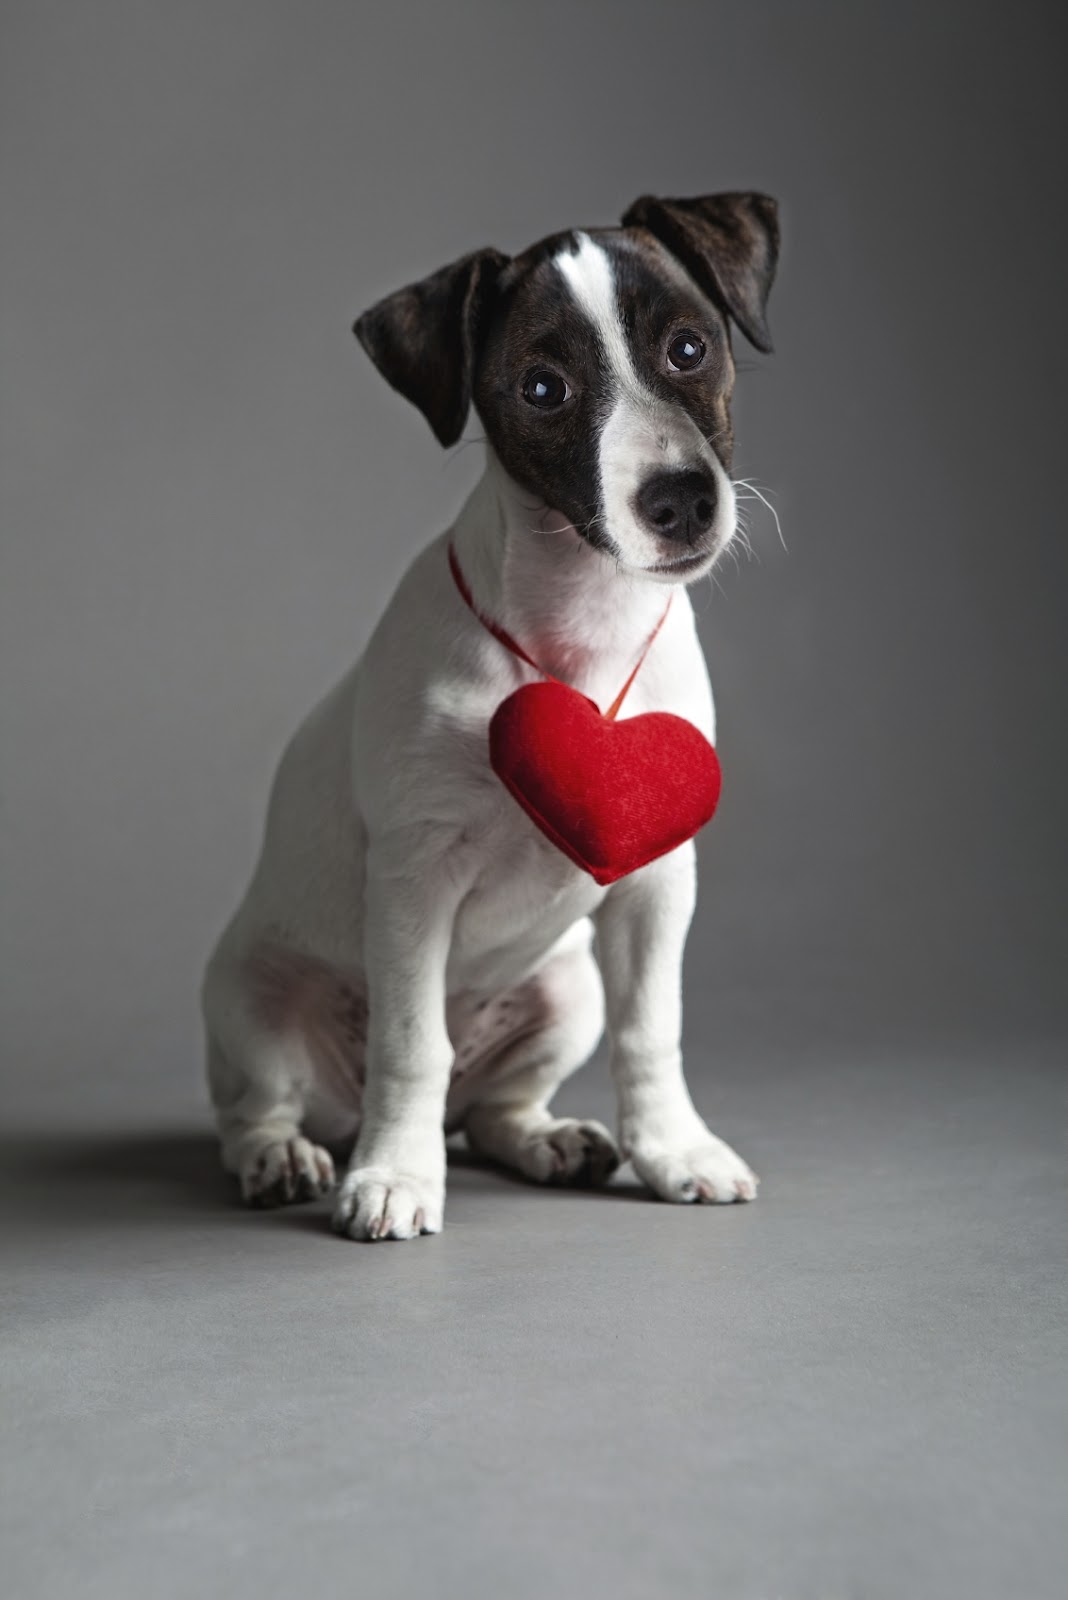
{"x": 209, "y": 495}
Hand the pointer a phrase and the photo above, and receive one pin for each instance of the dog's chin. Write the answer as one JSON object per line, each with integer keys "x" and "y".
{"x": 666, "y": 566}
{"x": 674, "y": 567}
{"x": 652, "y": 560}
{"x": 679, "y": 569}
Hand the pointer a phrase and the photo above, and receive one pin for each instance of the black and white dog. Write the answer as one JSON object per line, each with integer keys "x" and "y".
{"x": 413, "y": 955}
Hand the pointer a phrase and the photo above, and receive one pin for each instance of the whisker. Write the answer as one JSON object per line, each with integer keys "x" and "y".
{"x": 755, "y": 493}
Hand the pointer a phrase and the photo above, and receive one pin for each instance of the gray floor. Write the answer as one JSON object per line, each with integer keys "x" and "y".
{"x": 854, "y": 1388}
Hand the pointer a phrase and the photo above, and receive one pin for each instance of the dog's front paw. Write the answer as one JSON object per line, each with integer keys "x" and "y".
{"x": 708, "y": 1172}
{"x": 378, "y": 1203}
{"x": 286, "y": 1172}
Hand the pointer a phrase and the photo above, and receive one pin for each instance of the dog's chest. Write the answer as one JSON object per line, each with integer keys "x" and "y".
{"x": 526, "y": 892}
{"x": 525, "y": 897}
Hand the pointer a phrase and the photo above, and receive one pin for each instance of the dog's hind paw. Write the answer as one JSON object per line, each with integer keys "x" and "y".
{"x": 580, "y": 1154}
{"x": 286, "y": 1173}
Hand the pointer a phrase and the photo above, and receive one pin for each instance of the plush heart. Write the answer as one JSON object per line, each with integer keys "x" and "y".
{"x": 612, "y": 795}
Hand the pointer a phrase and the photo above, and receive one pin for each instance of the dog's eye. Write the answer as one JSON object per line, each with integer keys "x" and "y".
{"x": 685, "y": 351}
{"x": 545, "y": 389}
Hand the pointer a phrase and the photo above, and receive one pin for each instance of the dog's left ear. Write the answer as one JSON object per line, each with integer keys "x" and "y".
{"x": 424, "y": 338}
{"x": 728, "y": 243}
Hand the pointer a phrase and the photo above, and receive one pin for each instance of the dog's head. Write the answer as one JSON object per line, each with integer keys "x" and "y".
{"x": 600, "y": 364}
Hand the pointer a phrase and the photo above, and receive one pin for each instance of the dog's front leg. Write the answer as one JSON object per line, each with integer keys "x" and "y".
{"x": 395, "y": 1185}
{"x": 641, "y": 930}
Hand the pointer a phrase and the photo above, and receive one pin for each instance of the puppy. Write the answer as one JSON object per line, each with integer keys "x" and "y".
{"x": 413, "y": 954}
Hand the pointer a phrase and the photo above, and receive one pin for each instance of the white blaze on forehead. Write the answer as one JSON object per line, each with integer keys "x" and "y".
{"x": 642, "y": 433}
{"x": 588, "y": 273}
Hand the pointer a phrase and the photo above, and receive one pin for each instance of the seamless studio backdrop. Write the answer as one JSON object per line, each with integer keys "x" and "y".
{"x": 209, "y": 495}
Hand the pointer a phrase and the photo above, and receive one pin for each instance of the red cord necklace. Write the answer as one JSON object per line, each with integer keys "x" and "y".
{"x": 517, "y": 649}
{"x": 611, "y": 795}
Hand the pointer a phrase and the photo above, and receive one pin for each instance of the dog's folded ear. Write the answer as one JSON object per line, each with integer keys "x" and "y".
{"x": 728, "y": 243}
{"x": 424, "y": 338}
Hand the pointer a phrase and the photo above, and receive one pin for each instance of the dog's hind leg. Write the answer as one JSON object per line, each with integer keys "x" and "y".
{"x": 262, "y": 1073}
{"x": 258, "y": 1108}
{"x": 560, "y": 1015}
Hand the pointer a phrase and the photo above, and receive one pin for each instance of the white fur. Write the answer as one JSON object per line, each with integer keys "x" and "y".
{"x": 392, "y": 851}
{"x": 642, "y": 433}
{"x": 396, "y": 869}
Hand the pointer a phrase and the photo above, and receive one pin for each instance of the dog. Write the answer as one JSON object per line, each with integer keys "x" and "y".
{"x": 413, "y": 955}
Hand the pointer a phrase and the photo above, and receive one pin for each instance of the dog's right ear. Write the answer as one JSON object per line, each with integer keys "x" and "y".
{"x": 424, "y": 339}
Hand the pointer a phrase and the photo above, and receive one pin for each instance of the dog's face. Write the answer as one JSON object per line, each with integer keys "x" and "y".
{"x": 600, "y": 365}
{"x": 604, "y": 385}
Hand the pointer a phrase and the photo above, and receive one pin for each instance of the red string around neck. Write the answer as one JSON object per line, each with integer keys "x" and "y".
{"x": 505, "y": 638}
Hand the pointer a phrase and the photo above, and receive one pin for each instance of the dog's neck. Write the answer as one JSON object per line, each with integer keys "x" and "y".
{"x": 529, "y": 571}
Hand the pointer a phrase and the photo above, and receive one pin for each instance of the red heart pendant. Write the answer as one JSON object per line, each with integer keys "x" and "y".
{"x": 612, "y": 795}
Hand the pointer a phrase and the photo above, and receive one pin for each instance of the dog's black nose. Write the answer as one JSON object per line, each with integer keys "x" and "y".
{"x": 678, "y": 505}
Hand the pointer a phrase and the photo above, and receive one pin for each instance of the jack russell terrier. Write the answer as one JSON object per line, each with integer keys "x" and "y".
{"x": 414, "y": 955}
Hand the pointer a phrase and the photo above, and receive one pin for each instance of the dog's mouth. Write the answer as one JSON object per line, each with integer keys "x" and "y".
{"x": 682, "y": 566}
